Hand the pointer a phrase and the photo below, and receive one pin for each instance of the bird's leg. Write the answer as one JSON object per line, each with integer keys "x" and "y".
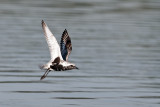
{"x": 45, "y": 74}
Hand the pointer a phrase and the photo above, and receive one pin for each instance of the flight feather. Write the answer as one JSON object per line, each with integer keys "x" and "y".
{"x": 52, "y": 42}
{"x": 66, "y": 45}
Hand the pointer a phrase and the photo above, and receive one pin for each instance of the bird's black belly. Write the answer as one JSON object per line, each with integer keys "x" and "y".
{"x": 60, "y": 67}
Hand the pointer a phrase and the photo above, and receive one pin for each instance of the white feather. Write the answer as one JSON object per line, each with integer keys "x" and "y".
{"x": 52, "y": 43}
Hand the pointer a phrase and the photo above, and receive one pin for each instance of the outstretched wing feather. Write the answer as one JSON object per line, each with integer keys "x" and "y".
{"x": 66, "y": 45}
{"x": 52, "y": 42}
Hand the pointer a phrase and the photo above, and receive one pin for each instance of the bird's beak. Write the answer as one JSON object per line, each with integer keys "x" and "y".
{"x": 77, "y": 68}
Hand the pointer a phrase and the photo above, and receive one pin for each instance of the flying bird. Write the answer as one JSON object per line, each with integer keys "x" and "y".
{"x": 59, "y": 54}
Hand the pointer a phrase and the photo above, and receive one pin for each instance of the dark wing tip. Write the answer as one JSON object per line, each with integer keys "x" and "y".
{"x": 64, "y": 32}
{"x": 42, "y": 22}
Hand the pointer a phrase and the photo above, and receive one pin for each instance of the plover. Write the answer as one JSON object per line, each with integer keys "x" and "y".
{"x": 59, "y": 54}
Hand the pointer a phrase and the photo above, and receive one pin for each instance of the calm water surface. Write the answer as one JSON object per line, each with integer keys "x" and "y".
{"x": 116, "y": 45}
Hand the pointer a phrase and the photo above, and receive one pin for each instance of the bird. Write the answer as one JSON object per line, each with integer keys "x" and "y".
{"x": 59, "y": 54}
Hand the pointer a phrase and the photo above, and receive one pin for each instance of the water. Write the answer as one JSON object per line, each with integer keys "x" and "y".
{"x": 115, "y": 45}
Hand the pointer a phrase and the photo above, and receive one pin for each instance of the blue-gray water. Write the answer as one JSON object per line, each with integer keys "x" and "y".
{"x": 116, "y": 45}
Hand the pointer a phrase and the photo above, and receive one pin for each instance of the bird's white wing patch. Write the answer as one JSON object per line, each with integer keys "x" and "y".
{"x": 52, "y": 42}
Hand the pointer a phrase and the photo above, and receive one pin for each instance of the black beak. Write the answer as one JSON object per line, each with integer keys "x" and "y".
{"x": 77, "y": 68}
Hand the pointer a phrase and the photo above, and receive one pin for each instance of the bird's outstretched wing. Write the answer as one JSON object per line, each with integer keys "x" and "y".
{"x": 66, "y": 45}
{"x": 52, "y": 42}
